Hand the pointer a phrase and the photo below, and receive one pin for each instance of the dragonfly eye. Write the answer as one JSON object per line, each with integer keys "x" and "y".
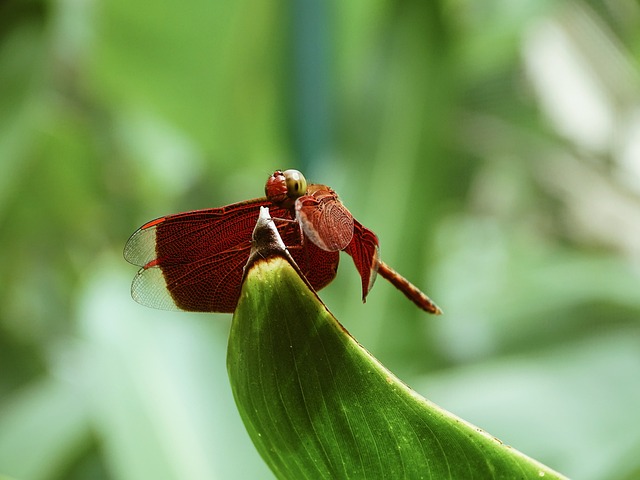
{"x": 296, "y": 183}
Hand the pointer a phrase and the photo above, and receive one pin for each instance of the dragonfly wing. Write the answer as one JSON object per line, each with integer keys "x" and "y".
{"x": 150, "y": 288}
{"x": 193, "y": 261}
{"x": 318, "y": 266}
{"x": 325, "y": 220}
{"x": 364, "y": 250}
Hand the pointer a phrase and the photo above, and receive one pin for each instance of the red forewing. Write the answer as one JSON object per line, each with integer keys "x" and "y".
{"x": 363, "y": 248}
{"x": 324, "y": 219}
{"x": 194, "y": 261}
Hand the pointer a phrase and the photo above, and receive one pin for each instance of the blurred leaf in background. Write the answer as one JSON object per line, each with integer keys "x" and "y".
{"x": 493, "y": 147}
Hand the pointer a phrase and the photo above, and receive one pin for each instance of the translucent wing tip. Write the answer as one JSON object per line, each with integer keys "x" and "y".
{"x": 140, "y": 249}
{"x": 149, "y": 288}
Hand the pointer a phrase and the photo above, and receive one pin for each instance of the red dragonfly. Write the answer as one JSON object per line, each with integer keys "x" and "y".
{"x": 194, "y": 261}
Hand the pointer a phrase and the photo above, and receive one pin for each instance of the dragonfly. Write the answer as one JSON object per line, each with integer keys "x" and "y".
{"x": 194, "y": 261}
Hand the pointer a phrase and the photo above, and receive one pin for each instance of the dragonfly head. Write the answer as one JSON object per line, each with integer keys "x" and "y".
{"x": 283, "y": 188}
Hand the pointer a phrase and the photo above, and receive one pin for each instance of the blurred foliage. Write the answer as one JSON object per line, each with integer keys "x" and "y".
{"x": 493, "y": 147}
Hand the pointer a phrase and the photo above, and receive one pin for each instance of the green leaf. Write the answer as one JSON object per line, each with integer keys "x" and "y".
{"x": 317, "y": 405}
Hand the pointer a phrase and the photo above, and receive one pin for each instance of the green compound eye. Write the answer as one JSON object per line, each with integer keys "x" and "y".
{"x": 296, "y": 183}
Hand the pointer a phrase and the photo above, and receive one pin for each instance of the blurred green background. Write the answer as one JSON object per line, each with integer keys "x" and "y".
{"x": 493, "y": 146}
